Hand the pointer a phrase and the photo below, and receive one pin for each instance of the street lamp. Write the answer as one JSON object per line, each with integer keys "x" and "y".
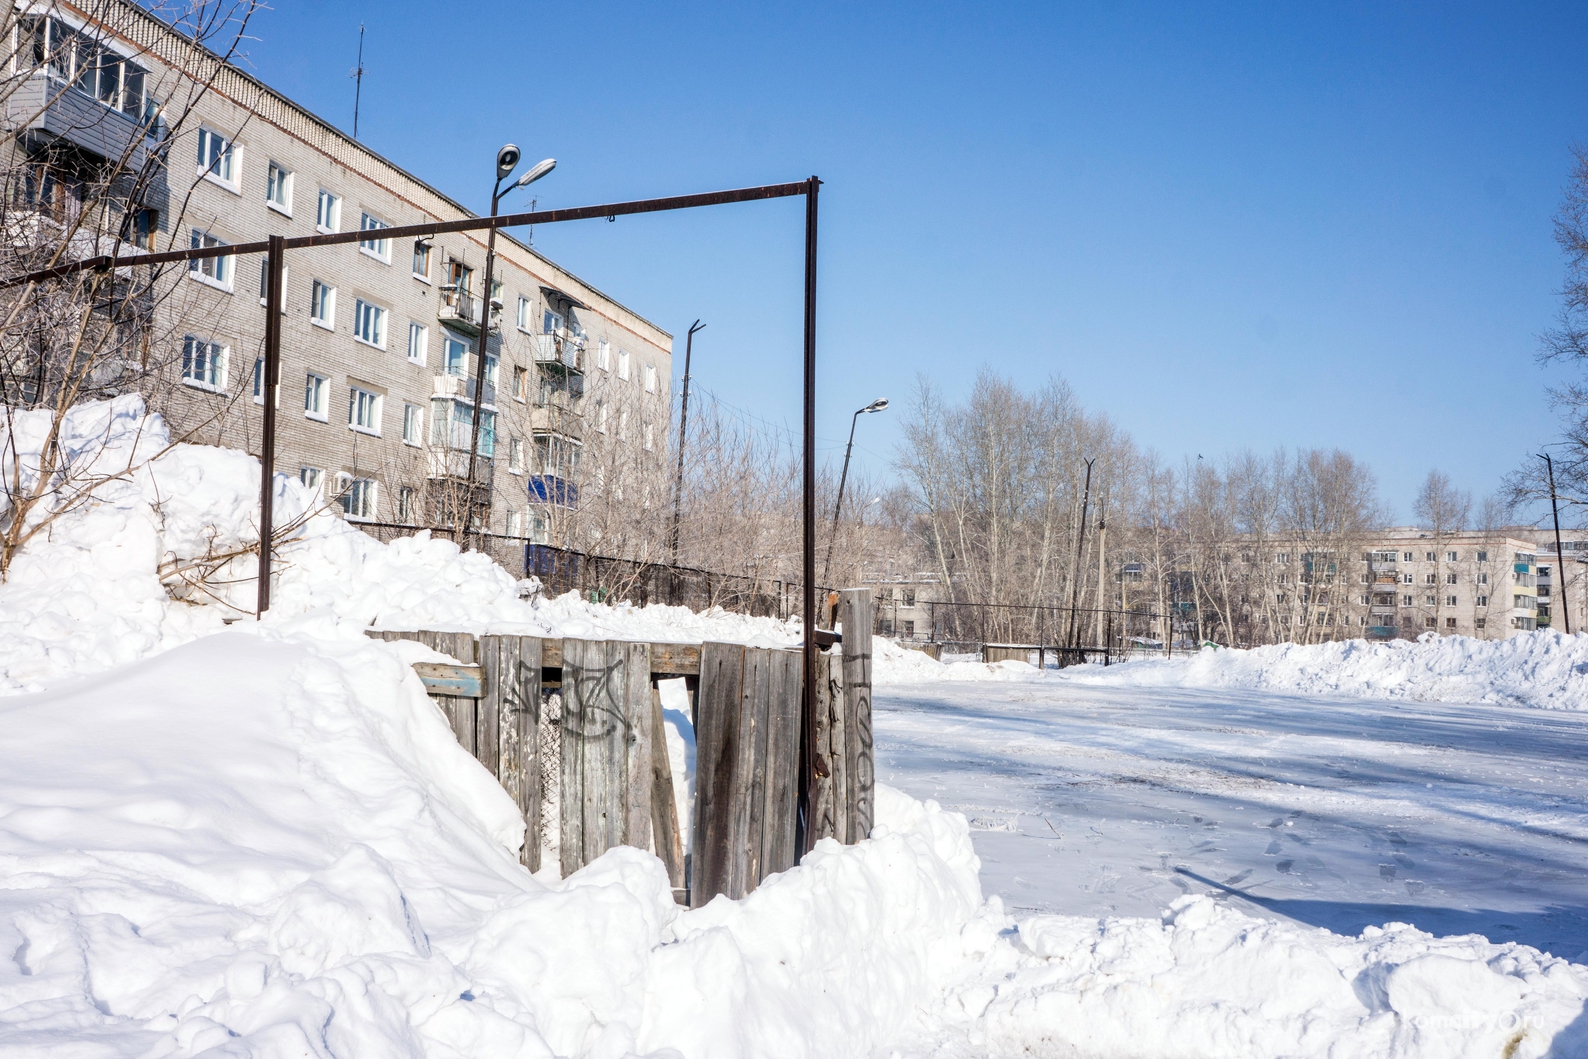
{"x": 506, "y": 161}
{"x": 875, "y": 406}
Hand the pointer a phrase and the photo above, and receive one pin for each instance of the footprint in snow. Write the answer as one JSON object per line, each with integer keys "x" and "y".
{"x": 1386, "y": 871}
{"x": 1238, "y": 878}
{"x": 1275, "y": 846}
{"x": 1284, "y": 866}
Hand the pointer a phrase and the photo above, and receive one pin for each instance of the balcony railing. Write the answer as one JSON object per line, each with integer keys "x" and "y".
{"x": 462, "y": 387}
{"x": 459, "y": 310}
{"x": 562, "y": 348}
{"x": 454, "y": 463}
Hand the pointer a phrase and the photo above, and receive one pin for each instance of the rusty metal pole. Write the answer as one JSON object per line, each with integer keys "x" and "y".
{"x": 479, "y": 376}
{"x": 269, "y": 384}
{"x": 678, "y": 486}
{"x": 810, "y": 762}
{"x": 1560, "y": 558}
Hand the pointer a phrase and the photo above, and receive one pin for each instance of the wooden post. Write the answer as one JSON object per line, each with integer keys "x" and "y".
{"x": 512, "y": 700}
{"x": 717, "y": 743}
{"x": 831, "y": 795}
{"x": 855, "y": 611}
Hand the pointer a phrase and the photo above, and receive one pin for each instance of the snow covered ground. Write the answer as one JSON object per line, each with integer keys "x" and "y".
{"x": 265, "y": 841}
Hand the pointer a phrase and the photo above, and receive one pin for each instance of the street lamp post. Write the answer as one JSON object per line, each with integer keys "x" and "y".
{"x": 506, "y": 162}
{"x": 678, "y": 487}
{"x": 875, "y": 406}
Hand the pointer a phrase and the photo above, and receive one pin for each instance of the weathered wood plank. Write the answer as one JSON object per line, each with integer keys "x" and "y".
{"x": 551, "y": 654}
{"x": 855, "y": 611}
{"x": 782, "y": 725}
{"x": 830, "y": 670}
{"x": 596, "y": 736}
{"x": 751, "y": 791}
{"x": 443, "y": 678}
{"x": 512, "y": 668}
{"x": 717, "y": 742}
{"x": 827, "y": 780}
{"x": 675, "y": 659}
{"x": 638, "y": 749}
{"x": 664, "y": 799}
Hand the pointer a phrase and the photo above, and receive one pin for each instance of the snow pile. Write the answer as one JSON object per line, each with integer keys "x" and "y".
{"x": 1542, "y": 669}
{"x": 274, "y": 846}
{"x": 269, "y": 845}
{"x": 94, "y": 589}
{"x": 893, "y": 664}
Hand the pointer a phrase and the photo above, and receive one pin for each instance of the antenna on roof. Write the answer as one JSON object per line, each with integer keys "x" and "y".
{"x": 358, "y": 76}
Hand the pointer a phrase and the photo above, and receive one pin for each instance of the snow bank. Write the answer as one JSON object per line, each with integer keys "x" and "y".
{"x": 95, "y": 588}
{"x": 1541, "y": 669}
{"x": 893, "y": 664}
{"x": 274, "y": 845}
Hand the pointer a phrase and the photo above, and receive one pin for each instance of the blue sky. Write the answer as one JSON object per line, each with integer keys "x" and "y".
{"x": 1226, "y": 225}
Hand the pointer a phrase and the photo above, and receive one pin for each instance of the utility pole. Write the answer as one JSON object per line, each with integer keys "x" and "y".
{"x": 1102, "y": 574}
{"x": 358, "y": 80}
{"x": 678, "y": 486}
{"x": 1560, "y": 559}
{"x": 1080, "y": 551}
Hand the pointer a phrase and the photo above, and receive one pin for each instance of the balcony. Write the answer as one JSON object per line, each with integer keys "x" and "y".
{"x": 46, "y": 108}
{"x": 462, "y": 387}
{"x": 454, "y": 464}
{"x": 459, "y": 310}
{"x": 561, "y": 348}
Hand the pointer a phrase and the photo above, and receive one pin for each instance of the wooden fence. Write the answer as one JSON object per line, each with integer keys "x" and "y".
{"x": 577, "y": 725}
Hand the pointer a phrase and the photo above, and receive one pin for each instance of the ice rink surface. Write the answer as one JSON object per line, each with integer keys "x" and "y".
{"x": 1332, "y": 812}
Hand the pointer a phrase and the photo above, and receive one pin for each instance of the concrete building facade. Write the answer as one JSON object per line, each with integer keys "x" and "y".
{"x": 380, "y": 340}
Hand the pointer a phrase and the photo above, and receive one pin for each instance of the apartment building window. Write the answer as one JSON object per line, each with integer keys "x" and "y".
{"x": 203, "y": 364}
{"x": 1406, "y": 601}
{"x": 457, "y": 357}
{"x": 1543, "y": 571}
{"x": 1406, "y": 557}
{"x": 1450, "y": 579}
{"x": 413, "y": 424}
{"x": 525, "y": 314}
{"x": 1483, "y": 557}
{"x": 422, "y": 260}
{"x": 363, "y": 410}
{"x": 278, "y": 188}
{"x": 1450, "y": 557}
{"x": 376, "y": 247}
{"x": 418, "y": 342}
{"x": 1430, "y": 579}
{"x": 520, "y": 383}
{"x": 216, "y": 271}
{"x": 515, "y": 455}
{"x": 310, "y": 477}
{"x": 74, "y": 57}
{"x": 1482, "y": 601}
{"x": 1428, "y": 557}
{"x": 1479, "y": 623}
{"x": 369, "y": 323}
{"x": 515, "y": 523}
{"x": 1282, "y": 558}
{"x": 1450, "y": 601}
{"x": 1279, "y": 597}
{"x": 647, "y": 436}
{"x": 623, "y": 424}
{"x": 317, "y": 397}
{"x": 650, "y": 378}
{"x": 623, "y": 364}
{"x": 1366, "y": 580}
{"x": 909, "y": 597}
{"x": 1450, "y": 623}
{"x": 322, "y": 305}
{"x": 217, "y": 158}
{"x": 550, "y": 322}
{"x": 1520, "y": 603}
{"x": 259, "y": 380}
{"x": 357, "y": 495}
{"x": 1429, "y": 623}
{"x": 328, "y": 215}
{"x": 264, "y": 283}
{"x": 407, "y": 504}
{"x": 601, "y": 417}
{"x": 604, "y": 355}
{"x": 1428, "y": 601}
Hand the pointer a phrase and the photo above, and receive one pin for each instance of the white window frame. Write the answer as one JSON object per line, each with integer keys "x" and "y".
{"x": 446, "y": 357}
{"x": 520, "y": 383}
{"x": 647, "y": 435}
{"x": 347, "y": 487}
{"x": 368, "y": 316}
{"x": 650, "y": 378}
{"x": 515, "y": 455}
{"x": 222, "y": 267}
{"x": 259, "y": 380}
{"x": 360, "y": 399}
{"x": 413, "y": 424}
{"x": 311, "y": 477}
{"x": 525, "y": 314}
{"x": 229, "y": 159}
{"x": 429, "y": 248}
{"x": 279, "y": 177}
{"x": 217, "y": 358}
{"x": 623, "y": 364}
{"x": 264, "y": 284}
{"x": 379, "y": 249}
{"x": 406, "y": 497}
{"x": 604, "y": 355}
{"x": 601, "y": 417}
{"x": 418, "y": 343}
{"x": 334, "y": 223}
{"x": 322, "y": 311}
{"x": 316, "y": 396}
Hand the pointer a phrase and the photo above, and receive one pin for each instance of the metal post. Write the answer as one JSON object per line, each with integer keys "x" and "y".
{"x": 1560, "y": 559}
{"x": 479, "y": 370}
{"x": 810, "y": 761}
{"x": 271, "y": 380}
{"x": 838, "y": 505}
{"x": 678, "y": 487}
